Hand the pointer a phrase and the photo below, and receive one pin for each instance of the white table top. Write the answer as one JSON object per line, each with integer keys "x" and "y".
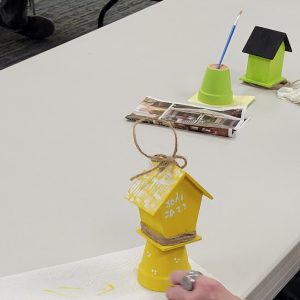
{"x": 66, "y": 151}
{"x": 87, "y": 279}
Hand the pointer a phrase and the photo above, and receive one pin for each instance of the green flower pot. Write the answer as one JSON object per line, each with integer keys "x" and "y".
{"x": 216, "y": 86}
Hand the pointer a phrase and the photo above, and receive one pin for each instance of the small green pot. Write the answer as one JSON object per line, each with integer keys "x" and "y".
{"x": 216, "y": 86}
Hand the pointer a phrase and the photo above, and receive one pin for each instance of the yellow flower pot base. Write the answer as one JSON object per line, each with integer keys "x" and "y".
{"x": 157, "y": 265}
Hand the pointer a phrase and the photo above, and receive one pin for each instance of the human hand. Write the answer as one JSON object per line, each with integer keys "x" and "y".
{"x": 205, "y": 288}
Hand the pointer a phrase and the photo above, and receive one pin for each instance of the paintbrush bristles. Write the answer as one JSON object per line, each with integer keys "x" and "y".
{"x": 237, "y": 18}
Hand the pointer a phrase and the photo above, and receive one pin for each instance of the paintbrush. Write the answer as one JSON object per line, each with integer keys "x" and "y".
{"x": 229, "y": 39}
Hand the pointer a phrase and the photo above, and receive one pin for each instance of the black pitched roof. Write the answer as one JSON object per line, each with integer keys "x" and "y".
{"x": 265, "y": 42}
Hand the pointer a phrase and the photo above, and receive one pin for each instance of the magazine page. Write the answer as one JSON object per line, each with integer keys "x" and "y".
{"x": 222, "y": 122}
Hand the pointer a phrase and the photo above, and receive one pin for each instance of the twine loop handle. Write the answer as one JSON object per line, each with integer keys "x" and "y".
{"x": 162, "y": 160}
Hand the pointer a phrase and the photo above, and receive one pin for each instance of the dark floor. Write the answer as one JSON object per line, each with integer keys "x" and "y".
{"x": 291, "y": 291}
{"x": 72, "y": 19}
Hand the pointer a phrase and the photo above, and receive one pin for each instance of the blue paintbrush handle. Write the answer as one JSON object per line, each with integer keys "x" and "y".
{"x": 226, "y": 46}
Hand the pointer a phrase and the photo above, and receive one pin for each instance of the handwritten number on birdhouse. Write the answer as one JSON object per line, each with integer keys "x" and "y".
{"x": 175, "y": 206}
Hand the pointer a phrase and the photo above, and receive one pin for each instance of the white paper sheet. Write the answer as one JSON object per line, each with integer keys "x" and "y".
{"x": 110, "y": 276}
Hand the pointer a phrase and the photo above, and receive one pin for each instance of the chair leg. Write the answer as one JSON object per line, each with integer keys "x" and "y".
{"x": 104, "y": 10}
{"x": 31, "y": 4}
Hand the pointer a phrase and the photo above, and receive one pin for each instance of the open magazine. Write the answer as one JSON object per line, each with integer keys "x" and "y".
{"x": 217, "y": 121}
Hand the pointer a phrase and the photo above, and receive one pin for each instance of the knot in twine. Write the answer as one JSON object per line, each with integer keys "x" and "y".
{"x": 162, "y": 160}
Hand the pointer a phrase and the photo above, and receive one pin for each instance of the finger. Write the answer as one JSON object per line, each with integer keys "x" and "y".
{"x": 176, "y": 293}
{"x": 202, "y": 281}
{"x": 177, "y": 276}
{"x": 205, "y": 285}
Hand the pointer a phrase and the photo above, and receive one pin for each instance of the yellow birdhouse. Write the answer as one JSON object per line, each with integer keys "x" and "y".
{"x": 169, "y": 201}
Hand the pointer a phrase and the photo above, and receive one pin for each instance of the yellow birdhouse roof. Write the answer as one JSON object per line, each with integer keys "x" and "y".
{"x": 149, "y": 191}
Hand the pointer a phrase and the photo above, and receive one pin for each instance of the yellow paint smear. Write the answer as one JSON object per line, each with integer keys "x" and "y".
{"x": 109, "y": 287}
{"x": 61, "y": 294}
{"x": 55, "y": 293}
{"x": 69, "y": 288}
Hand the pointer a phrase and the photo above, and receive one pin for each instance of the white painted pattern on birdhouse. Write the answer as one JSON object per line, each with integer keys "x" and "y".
{"x": 150, "y": 190}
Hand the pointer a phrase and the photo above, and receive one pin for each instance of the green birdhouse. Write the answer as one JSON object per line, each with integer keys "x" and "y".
{"x": 266, "y": 49}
